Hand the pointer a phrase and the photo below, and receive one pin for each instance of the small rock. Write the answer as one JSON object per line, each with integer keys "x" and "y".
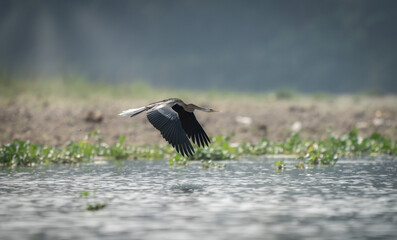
{"x": 377, "y": 122}
{"x": 361, "y": 125}
{"x": 94, "y": 116}
{"x": 244, "y": 120}
{"x": 296, "y": 126}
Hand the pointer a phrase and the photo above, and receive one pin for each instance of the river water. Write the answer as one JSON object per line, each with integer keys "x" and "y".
{"x": 248, "y": 199}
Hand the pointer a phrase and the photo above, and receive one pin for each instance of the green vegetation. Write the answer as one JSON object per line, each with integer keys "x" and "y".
{"x": 95, "y": 206}
{"x": 92, "y": 203}
{"x": 325, "y": 152}
{"x": 206, "y": 164}
{"x": 280, "y": 165}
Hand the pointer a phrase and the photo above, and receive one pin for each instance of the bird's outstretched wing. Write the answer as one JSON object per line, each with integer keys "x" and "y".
{"x": 167, "y": 121}
{"x": 192, "y": 127}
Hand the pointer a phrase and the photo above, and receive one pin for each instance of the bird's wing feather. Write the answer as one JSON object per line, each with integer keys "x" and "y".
{"x": 133, "y": 111}
{"x": 192, "y": 127}
{"x": 167, "y": 121}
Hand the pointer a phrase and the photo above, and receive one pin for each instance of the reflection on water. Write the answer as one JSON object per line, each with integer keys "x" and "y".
{"x": 247, "y": 199}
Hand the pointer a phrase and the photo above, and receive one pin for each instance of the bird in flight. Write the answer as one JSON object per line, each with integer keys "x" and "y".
{"x": 176, "y": 122}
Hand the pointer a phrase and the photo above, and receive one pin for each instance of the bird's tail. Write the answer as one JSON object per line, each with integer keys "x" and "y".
{"x": 132, "y": 112}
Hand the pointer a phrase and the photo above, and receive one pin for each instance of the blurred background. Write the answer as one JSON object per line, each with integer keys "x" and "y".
{"x": 336, "y": 46}
{"x": 273, "y": 68}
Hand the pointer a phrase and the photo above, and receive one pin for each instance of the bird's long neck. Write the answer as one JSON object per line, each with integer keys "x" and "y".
{"x": 192, "y": 107}
{"x": 187, "y": 107}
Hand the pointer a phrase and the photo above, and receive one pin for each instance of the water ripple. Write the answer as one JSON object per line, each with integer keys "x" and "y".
{"x": 246, "y": 200}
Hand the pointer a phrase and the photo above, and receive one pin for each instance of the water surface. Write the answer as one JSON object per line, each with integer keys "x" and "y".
{"x": 355, "y": 199}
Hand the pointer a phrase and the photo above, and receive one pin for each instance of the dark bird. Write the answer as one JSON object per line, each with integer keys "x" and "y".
{"x": 176, "y": 122}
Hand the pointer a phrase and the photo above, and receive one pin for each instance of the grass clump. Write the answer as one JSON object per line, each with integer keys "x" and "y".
{"x": 92, "y": 203}
{"x": 219, "y": 149}
{"x": 95, "y": 206}
{"x": 280, "y": 166}
{"x": 207, "y": 164}
{"x": 325, "y": 152}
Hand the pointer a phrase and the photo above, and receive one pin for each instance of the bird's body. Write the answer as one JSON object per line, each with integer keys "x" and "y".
{"x": 176, "y": 122}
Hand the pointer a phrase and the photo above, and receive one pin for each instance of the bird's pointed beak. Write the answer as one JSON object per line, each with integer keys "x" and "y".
{"x": 212, "y": 110}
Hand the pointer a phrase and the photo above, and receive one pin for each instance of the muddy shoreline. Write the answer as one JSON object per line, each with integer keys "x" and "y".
{"x": 58, "y": 121}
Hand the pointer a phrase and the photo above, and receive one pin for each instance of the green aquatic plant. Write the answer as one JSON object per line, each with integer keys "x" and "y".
{"x": 300, "y": 165}
{"x": 219, "y": 149}
{"x": 95, "y": 206}
{"x": 324, "y": 152}
{"x": 207, "y": 164}
{"x": 84, "y": 194}
{"x": 178, "y": 160}
{"x": 92, "y": 203}
{"x": 280, "y": 165}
